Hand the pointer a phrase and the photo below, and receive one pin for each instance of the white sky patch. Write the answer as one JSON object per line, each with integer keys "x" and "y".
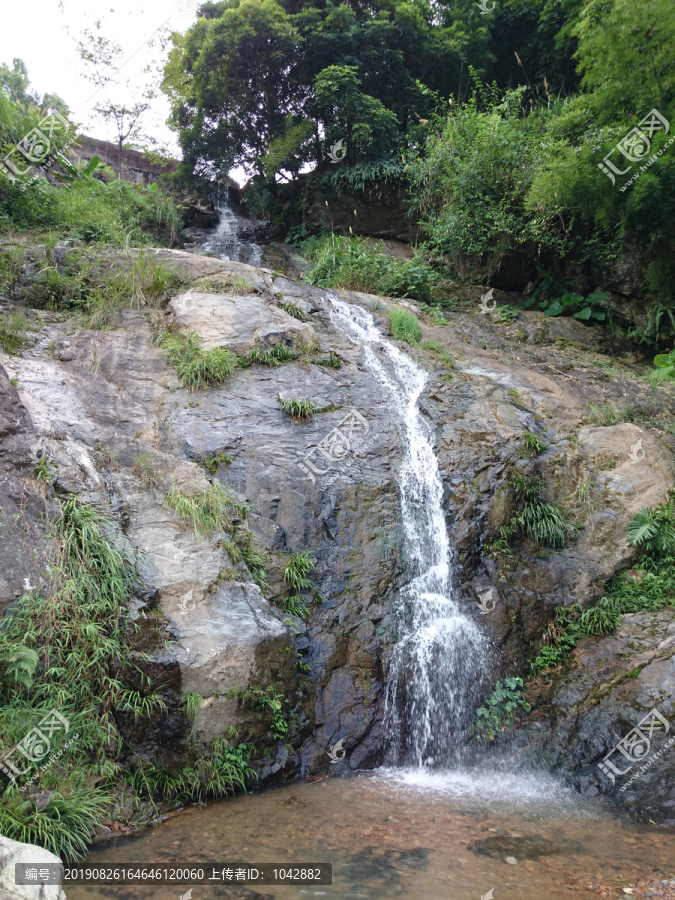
{"x": 44, "y": 33}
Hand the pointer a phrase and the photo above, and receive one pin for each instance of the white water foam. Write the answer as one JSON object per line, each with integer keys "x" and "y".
{"x": 227, "y": 242}
{"x": 440, "y": 659}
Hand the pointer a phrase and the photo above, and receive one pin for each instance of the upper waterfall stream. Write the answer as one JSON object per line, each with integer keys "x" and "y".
{"x": 441, "y": 657}
{"x": 228, "y": 240}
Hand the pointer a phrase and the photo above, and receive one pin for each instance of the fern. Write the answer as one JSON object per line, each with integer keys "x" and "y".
{"x": 654, "y": 529}
{"x": 20, "y": 664}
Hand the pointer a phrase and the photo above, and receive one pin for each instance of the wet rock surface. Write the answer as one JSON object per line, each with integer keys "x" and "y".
{"x": 100, "y": 401}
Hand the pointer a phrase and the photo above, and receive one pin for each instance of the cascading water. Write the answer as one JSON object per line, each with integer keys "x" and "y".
{"x": 440, "y": 659}
{"x": 227, "y": 239}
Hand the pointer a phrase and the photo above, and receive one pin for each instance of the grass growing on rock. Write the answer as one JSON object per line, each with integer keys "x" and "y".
{"x": 77, "y": 636}
{"x": 543, "y": 522}
{"x": 650, "y": 587}
{"x": 196, "y": 367}
{"x": 205, "y": 509}
{"x": 298, "y": 567}
{"x": 274, "y": 356}
{"x": 66, "y": 653}
{"x": 294, "y": 310}
{"x": 298, "y": 410}
{"x": 404, "y": 326}
{"x": 12, "y": 332}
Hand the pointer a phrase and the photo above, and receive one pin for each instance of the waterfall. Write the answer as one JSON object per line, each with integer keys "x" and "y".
{"x": 227, "y": 241}
{"x": 440, "y": 659}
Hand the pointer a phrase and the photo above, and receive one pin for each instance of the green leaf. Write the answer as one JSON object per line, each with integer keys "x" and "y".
{"x": 554, "y": 309}
{"x": 584, "y": 314}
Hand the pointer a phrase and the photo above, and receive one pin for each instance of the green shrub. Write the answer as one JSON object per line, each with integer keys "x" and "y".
{"x": 354, "y": 264}
{"x": 269, "y": 700}
{"x": 665, "y": 367}
{"x": 472, "y": 180}
{"x": 332, "y": 361}
{"x": 652, "y": 589}
{"x": 12, "y": 330}
{"x": 296, "y": 570}
{"x": 92, "y": 211}
{"x": 404, "y": 326}
{"x": 499, "y": 712}
{"x": 213, "y": 461}
{"x": 79, "y": 630}
{"x": 224, "y": 770}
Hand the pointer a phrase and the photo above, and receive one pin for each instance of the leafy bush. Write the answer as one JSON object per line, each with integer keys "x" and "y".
{"x": 78, "y": 630}
{"x": 94, "y": 212}
{"x": 223, "y": 771}
{"x": 499, "y": 712}
{"x": 297, "y": 569}
{"x": 354, "y": 264}
{"x": 473, "y": 180}
{"x": 267, "y": 699}
{"x": 294, "y": 310}
{"x": 12, "y": 329}
{"x": 404, "y": 326}
{"x": 665, "y": 367}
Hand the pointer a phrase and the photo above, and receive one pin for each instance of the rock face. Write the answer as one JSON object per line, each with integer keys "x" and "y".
{"x": 119, "y": 430}
{"x": 612, "y": 685}
{"x": 12, "y": 852}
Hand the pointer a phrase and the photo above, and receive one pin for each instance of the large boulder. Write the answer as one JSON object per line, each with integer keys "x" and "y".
{"x": 13, "y": 852}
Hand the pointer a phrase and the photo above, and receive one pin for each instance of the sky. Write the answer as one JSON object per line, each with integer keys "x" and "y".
{"x": 44, "y": 33}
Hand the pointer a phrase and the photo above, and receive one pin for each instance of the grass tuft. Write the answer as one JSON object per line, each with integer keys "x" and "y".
{"x": 299, "y": 410}
{"x": 404, "y": 326}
